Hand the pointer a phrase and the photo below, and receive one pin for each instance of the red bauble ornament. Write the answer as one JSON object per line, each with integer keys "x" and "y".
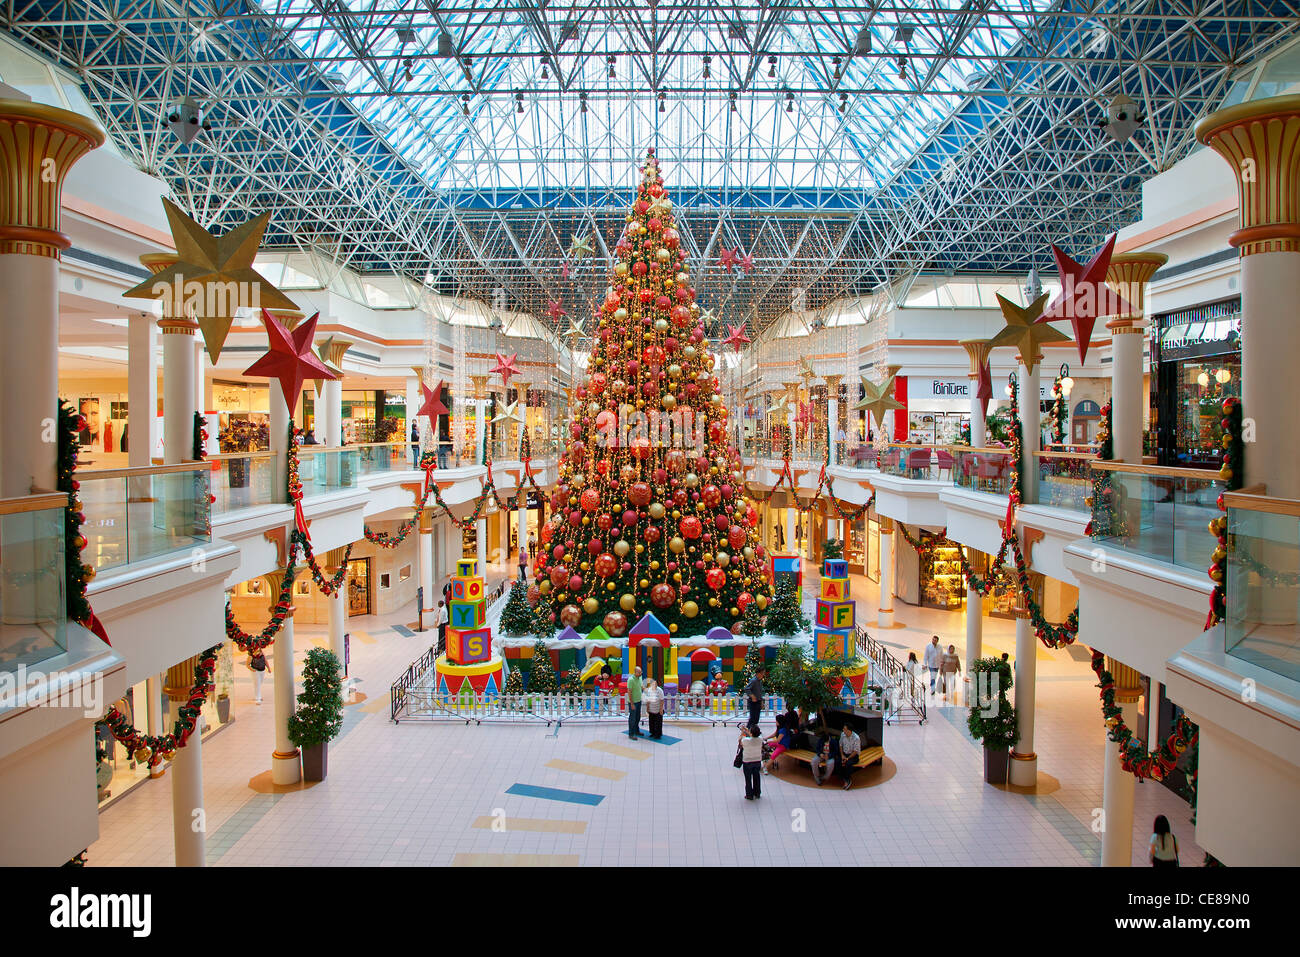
{"x": 639, "y": 269}
{"x": 629, "y": 518}
{"x": 595, "y": 546}
{"x": 690, "y": 527}
{"x": 639, "y": 494}
{"x": 671, "y": 238}
{"x": 557, "y": 552}
{"x": 736, "y": 536}
{"x": 681, "y": 316}
{"x": 660, "y": 476}
{"x": 661, "y": 595}
{"x": 716, "y": 431}
{"x": 615, "y": 624}
{"x": 575, "y": 582}
{"x": 742, "y": 602}
{"x": 641, "y": 449}
{"x": 720, "y": 523}
{"x": 711, "y": 495}
{"x": 590, "y": 500}
{"x": 654, "y": 225}
{"x": 604, "y": 522}
{"x": 533, "y": 594}
{"x": 715, "y": 578}
{"x": 605, "y": 565}
{"x": 570, "y": 615}
{"x": 559, "y": 575}
{"x": 652, "y": 534}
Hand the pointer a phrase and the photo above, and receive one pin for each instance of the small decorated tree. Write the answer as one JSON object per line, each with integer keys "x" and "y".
{"x": 753, "y": 621}
{"x": 753, "y": 661}
{"x": 517, "y": 617}
{"x": 832, "y": 548}
{"x": 541, "y": 676}
{"x": 515, "y": 682}
{"x": 805, "y": 683}
{"x": 319, "y": 717}
{"x": 543, "y": 621}
{"x": 992, "y": 718}
{"x": 785, "y": 617}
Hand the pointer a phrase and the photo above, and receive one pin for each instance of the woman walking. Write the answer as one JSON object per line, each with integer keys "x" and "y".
{"x": 1164, "y": 846}
{"x": 751, "y": 756}
{"x": 653, "y": 698}
{"x": 949, "y": 668}
{"x": 257, "y": 661}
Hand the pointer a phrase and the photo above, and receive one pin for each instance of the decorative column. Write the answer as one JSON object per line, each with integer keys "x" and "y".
{"x": 832, "y": 416}
{"x": 480, "y": 405}
{"x": 426, "y": 560}
{"x": 414, "y": 399}
{"x": 141, "y": 389}
{"x": 285, "y": 765}
{"x": 335, "y": 604}
{"x": 331, "y": 352}
{"x": 153, "y": 705}
{"x": 38, "y": 146}
{"x": 1259, "y": 141}
{"x": 187, "y": 774}
{"x": 885, "y": 616}
{"x": 178, "y": 343}
{"x": 1128, "y": 275}
{"x": 1024, "y": 762}
{"x": 1030, "y": 425}
{"x": 978, "y": 350}
{"x": 279, "y": 426}
{"x": 1119, "y": 787}
{"x": 198, "y": 383}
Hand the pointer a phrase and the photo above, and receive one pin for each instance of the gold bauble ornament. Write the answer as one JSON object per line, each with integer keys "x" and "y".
{"x": 735, "y": 612}
{"x": 639, "y": 548}
{"x": 654, "y": 565}
{"x": 543, "y": 587}
{"x": 723, "y": 559}
{"x": 673, "y": 627}
{"x": 627, "y": 602}
{"x": 643, "y": 584}
{"x": 762, "y": 601}
{"x": 621, "y": 548}
{"x": 88, "y": 573}
{"x": 690, "y": 609}
{"x": 669, "y": 402}
{"x": 714, "y": 603}
{"x": 692, "y": 480}
{"x": 591, "y": 606}
{"x": 610, "y": 586}
{"x": 663, "y": 255}
{"x": 676, "y": 545}
{"x": 141, "y": 755}
{"x": 585, "y": 566}
{"x": 656, "y": 510}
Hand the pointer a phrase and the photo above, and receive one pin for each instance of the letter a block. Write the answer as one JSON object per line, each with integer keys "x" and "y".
{"x": 466, "y": 589}
{"x": 467, "y": 568}
{"x": 468, "y": 614}
{"x": 835, "y": 568}
{"x": 832, "y": 645}
{"x": 467, "y": 646}
{"x": 835, "y": 615}
{"x": 835, "y": 589}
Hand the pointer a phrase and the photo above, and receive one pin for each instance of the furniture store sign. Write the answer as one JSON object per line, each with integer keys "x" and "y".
{"x": 922, "y": 389}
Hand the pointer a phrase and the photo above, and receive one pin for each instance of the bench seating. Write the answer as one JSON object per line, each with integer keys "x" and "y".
{"x": 866, "y": 757}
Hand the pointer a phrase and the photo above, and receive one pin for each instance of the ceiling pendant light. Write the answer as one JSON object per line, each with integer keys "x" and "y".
{"x": 844, "y": 102}
{"x": 836, "y": 72}
{"x": 609, "y": 61}
{"x": 732, "y": 98}
{"x": 545, "y": 73}
{"x": 862, "y": 44}
{"x": 707, "y": 61}
{"x": 445, "y": 46}
{"x": 409, "y": 75}
{"x": 519, "y": 102}
{"x": 789, "y": 102}
{"x": 464, "y": 103}
{"x": 902, "y": 68}
{"x": 582, "y": 102}
{"x": 661, "y": 102}
{"x": 771, "y": 66}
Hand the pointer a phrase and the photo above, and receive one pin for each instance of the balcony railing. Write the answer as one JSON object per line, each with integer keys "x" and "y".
{"x": 33, "y": 603}
{"x": 934, "y": 462}
{"x": 1262, "y": 624}
{"x": 133, "y": 514}
{"x": 983, "y": 470}
{"x": 243, "y": 480}
{"x": 1064, "y": 479}
{"x": 324, "y": 470}
{"x": 1159, "y": 512}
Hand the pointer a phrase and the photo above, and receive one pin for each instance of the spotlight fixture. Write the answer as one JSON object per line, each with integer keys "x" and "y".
{"x": 862, "y": 45}
{"x": 844, "y": 102}
{"x": 409, "y": 76}
{"x": 661, "y": 102}
{"x": 836, "y": 72}
{"x": 789, "y": 102}
{"x": 902, "y": 68}
{"x": 707, "y": 61}
{"x": 609, "y": 61}
{"x": 582, "y": 102}
{"x": 445, "y": 46}
{"x": 406, "y": 34}
{"x": 1122, "y": 118}
{"x": 1067, "y": 383}
{"x": 186, "y": 119}
{"x": 732, "y": 98}
{"x": 469, "y": 63}
{"x": 903, "y": 33}
{"x": 545, "y": 73}
{"x": 771, "y": 66}
{"x": 519, "y": 102}
{"x": 464, "y": 103}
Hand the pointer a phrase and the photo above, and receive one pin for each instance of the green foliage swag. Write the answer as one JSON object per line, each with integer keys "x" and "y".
{"x": 319, "y": 717}
{"x": 998, "y": 731}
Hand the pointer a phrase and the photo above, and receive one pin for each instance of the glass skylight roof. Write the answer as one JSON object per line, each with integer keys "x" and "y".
{"x": 414, "y": 98}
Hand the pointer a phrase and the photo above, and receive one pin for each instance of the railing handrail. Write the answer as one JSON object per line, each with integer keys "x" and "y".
{"x": 229, "y": 456}
{"x": 368, "y": 445}
{"x": 1084, "y": 456}
{"x": 1254, "y": 499}
{"x": 39, "y": 502}
{"x": 305, "y": 450}
{"x": 1160, "y": 471}
{"x": 199, "y": 465}
{"x": 983, "y": 449}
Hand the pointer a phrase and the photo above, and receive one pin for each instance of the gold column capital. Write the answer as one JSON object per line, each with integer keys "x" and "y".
{"x": 289, "y": 318}
{"x": 886, "y": 525}
{"x": 1128, "y": 682}
{"x": 480, "y": 386}
{"x": 169, "y": 324}
{"x": 1128, "y": 274}
{"x": 1260, "y": 140}
{"x": 332, "y": 350}
{"x": 833, "y": 380}
{"x": 39, "y": 145}
{"x": 979, "y": 351}
{"x": 180, "y": 679}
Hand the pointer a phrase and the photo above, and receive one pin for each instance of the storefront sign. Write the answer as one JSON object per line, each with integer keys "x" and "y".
{"x": 930, "y": 394}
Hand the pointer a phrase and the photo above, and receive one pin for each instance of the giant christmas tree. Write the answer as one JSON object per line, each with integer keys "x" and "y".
{"x": 649, "y": 514}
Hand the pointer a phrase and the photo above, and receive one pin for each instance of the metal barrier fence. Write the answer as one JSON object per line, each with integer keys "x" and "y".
{"x": 904, "y": 694}
{"x": 425, "y": 703}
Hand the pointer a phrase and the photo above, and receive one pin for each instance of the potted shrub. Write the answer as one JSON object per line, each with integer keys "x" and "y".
{"x": 225, "y": 679}
{"x": 319, "y": 717}
{"x": 992, "y": 719}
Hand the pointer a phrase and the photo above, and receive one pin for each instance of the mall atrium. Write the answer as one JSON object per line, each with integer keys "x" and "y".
{"x": 660, "y": 434}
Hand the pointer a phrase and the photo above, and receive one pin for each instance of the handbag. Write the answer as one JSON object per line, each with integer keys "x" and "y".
{"x": 740, "y": 761}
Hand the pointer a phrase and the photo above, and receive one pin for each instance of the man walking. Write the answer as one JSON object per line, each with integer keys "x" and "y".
{"x": 754, "y": 694}
{"x": 634, "y": 704}
{"x": 442, "y": 627}
{"x": 933, "y": 658}
{"x": 415, "y": 445}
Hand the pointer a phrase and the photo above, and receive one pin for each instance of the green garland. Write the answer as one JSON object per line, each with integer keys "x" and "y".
{"x": 151, "y": 748}
{"x": 328, "y": 586}
{"x": 1058, "y": 412}
{"x": 255, "y": 643}
{"x": 1231, "y": 473}
{"x": 76, "y": 574}
{"x": 1133, "y": 757}
{"x": 200, "y": 437}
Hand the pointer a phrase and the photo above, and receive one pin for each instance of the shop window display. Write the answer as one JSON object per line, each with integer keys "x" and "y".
{"x": 1197, "y": 357}
{"x": 941, "y": 580}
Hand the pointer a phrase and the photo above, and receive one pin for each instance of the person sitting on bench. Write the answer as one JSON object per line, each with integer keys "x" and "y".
{"x": 783, "y": 739}
{"x": 823, "y": 760}
{"x": 850, "y": 748}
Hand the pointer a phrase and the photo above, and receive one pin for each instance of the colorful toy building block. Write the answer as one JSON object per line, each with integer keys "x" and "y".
{"x": 835, "y": 614}
{"x": 466, "y": 567}
{"x": 648, "y": 627}
{"x": 466, "y": 589}
{"x": 568, "y": 634}
{"x": 718, "y": 633}
{"x": 835, "y": 568}
{"x": 786, "y": 563}
{"x": 832, "y": 645}
{"x": 466, "y": 646}
{"x": 835, "y": 589}
{"x": 598, "y": 634}
{"x": 468, "y": 615}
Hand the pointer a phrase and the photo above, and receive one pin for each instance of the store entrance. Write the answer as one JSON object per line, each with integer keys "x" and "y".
{"x": 358, "y": 587}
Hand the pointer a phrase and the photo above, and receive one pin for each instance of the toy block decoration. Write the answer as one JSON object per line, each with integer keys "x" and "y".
{"x": 832, "y": 645}
{"x": 718, "y": 633}
{"x": 835, "y": 614}
{"x": 468, "y": 615}
{"x": 835, "y": 589}
{"x": 835, "y": 568}
{"x": 466, "y": 589}
{"x": 568, "y": 634}
{"x": 467, "y": 646}
{"x": 598, "y": 634}
{"x": 467, "y": 568}
{"x": 649, "y": 627}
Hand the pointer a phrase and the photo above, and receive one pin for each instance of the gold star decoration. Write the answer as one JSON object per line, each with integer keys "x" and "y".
{"x": 879, "y": 399}
{"x": 574, "y": 331}
{"x": 806, "y": 370}
{"x": 213, "y": 276}
{"x": 509, "y": 413}
{"x": 660, "y": 206}
{"x": 581, "y": 247}
{"x": 1023, "y": 332}
{"x": 782, "y": 405}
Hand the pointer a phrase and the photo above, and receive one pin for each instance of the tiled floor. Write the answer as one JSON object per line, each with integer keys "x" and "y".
{"x": 421, "y": 794}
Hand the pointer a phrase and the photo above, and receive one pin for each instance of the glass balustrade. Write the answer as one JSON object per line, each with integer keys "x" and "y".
{"x": 1162, "y": 513}
{"x": 1262, "y": 623}
{"x": 378, "y": 457}
{"x": 982, "y": 470}
{"x": 1064, "y": 480}
{"x": 932, "y": 462}
{"x": 33, "y": 602}
{"x": 328, "y": 470}
{"x": 134, "y": 514}
{"x": 243, "y": 480}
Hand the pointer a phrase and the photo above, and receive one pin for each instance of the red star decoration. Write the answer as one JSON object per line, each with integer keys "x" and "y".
{"x": 736, "y": 336}
{"x": 804, "y": 415}
{"x": 564, "y": 269}
{"x": 290, "y": 358}
{"x": 728, "y": 258}
{"x": 1084, "y": 295}
{"x": 432, "y": 406}
{"x": 555, "y": 309}
{"x": 506, "y": 367}
{"x": 747, "y": 263}
{"x": 985, "y": 391}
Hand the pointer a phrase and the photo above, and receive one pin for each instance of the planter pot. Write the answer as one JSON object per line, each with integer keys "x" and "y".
{"x": 223, "y": 709}
{"x": 314, "y": 762}
{"x": 995, "y": 766}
